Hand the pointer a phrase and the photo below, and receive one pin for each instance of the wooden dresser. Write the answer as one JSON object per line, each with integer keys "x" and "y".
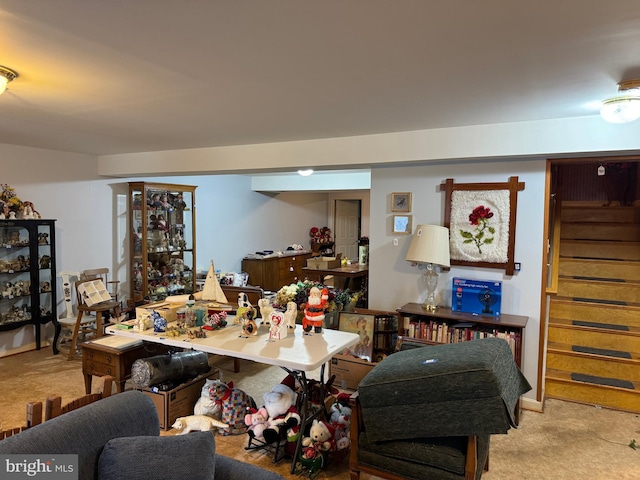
{"x": 275, "y": 272}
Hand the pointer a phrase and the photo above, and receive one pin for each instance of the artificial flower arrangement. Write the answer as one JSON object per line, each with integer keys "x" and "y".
{"x": 299, "y": 293}
{"x": 320, "y": 235}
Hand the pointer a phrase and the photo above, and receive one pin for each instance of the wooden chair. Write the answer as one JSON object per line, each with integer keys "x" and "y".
{"x": 98, "y": 309}
{"x": 102, "y": 274}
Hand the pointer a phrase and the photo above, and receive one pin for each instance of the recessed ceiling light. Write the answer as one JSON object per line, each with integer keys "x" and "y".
{"x": 306, "y": 172}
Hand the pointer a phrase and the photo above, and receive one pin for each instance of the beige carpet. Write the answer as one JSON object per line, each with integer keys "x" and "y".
{"x": 568, "y": 442}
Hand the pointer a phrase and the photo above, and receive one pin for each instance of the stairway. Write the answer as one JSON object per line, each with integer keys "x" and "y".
{"x": 593, "y": 351}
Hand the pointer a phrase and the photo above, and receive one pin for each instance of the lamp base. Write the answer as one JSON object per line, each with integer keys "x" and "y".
{"x": 431, "y": 277}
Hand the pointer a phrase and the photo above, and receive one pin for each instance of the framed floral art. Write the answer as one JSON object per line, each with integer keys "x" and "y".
{"x": 481, "y": 218}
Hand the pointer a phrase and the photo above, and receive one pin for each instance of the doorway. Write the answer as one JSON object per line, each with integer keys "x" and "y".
{"x": 349, "y": 220}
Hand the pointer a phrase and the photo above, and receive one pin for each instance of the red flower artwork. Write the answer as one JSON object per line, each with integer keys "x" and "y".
{"x": 480, "y": 218}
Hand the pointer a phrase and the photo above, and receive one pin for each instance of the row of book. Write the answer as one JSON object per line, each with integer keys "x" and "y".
{"x": 441, "y": 332}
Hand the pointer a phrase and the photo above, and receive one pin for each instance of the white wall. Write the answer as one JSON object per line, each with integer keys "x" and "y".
{"x": 91, "y": 217}
{"x": 397, "y": 283}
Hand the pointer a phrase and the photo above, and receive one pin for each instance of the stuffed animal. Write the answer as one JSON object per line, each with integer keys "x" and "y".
{"x": 234, "y": 403}
{"x": 257, "y": 421}
{"x": 340, "y": 420}
{"x": 284, "y": 419}
{"x": 265, "y": 310}
{"x": 319, "y": 442}
{"x": 205, "y": 405}
{"x": 197, "y": 422}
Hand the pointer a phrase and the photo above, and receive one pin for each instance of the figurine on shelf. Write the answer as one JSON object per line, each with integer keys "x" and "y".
{"x": 46, "y": 287}
{"x": 28, "y": 211}
{"x": 314, "y": 310}
{"x": 179, "y": 203}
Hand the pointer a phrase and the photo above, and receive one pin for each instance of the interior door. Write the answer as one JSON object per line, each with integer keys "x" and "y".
{"x": 347, "y": 228}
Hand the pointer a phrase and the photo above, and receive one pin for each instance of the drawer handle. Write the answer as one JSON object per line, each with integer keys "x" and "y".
{"x": 109, "y": 358}
{"x": 291, "y": 269}
{"x": 108, "y": 371}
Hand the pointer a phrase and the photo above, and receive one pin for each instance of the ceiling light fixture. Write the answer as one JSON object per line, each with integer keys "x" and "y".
{"x": 305, "y": 173}
{"x": 625, "y": 107}
{"x": 6, "y": 75}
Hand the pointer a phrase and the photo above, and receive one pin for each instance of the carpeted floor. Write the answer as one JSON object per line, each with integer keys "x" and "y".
{"x": 568, "y": 442}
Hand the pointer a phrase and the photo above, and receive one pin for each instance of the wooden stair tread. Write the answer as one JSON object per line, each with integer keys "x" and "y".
{"x": 568, "y": 323}
{"x": 596, "y": 301}
{"x": 566, "y": 377}
{"x": 566, "y": 349}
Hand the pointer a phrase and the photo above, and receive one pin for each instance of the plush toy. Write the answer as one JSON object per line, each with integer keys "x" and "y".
{"x": 205, "y": 405}
{"x": 284, "y": 419}
{"x": 340, "y": 420}
{"x": 197, "y": 422}
{"x": 257, "y": 421}
{"x": 319, "y": 441}
{"x": 234, "y": 403}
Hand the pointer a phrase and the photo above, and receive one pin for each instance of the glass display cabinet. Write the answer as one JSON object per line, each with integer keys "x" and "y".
{"x": 27, "y": 276}
{"x": 163, "y": 240}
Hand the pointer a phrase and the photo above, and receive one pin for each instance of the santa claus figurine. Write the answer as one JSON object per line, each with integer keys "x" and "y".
{"x": 314, "y": 310}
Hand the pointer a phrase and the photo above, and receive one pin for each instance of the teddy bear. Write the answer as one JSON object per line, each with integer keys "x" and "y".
{"x": 284, "y": 418}
{"x": 257, "y": 421}
{"x": 320, "y": 440}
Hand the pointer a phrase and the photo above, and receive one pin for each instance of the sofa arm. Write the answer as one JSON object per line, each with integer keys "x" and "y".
{"x": 230, "y": 469}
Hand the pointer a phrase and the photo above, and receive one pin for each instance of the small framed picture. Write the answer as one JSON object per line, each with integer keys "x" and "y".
{"x": 401, "y": 202}
{"x": 401, "y": 224}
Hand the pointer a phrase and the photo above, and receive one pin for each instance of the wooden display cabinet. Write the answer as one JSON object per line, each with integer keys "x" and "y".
{"x": 162, "y": 229}
{"x": 275, "y": 272}
{"x": 28, "y": 276}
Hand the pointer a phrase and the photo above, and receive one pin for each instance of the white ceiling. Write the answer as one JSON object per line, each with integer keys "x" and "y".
{"x": 124, "y": 76}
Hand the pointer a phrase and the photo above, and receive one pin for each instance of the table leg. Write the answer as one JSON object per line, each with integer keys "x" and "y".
{"x": 305, "y": 416}
{"x": 87, "y": 383}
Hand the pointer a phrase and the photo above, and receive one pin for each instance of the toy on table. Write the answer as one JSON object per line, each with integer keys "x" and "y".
{"x": 314, "y": 310}
{"x": 265, "y": 309}
{"x": 277, "y": 326}
{"x": 290, "y": 315}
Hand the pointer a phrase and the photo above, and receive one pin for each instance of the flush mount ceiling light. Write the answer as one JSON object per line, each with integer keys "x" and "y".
{"x": 6, "y": 75}
{"x": 305, "y": 173}
{"x": 625, "y": 107}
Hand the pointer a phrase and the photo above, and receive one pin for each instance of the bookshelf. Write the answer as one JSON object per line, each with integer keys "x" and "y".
{"x": 445, "y": 326}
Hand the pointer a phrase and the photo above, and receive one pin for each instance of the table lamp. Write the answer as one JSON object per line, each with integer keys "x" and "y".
{"x": 430, "y": 247}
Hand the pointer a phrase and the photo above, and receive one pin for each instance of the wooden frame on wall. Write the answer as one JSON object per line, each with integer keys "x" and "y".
{"x": 401, "y": 224}
{"x": 481, "y": 218}
{"x": 401, "y": 202}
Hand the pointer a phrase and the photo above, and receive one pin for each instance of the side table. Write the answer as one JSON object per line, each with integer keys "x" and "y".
{"x": 113, "y": 356}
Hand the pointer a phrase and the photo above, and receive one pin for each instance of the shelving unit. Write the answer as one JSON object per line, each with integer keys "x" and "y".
{"x": 27, "y": 276}
{"x": 446, "y": 326}
{"x": 162, "y": 240}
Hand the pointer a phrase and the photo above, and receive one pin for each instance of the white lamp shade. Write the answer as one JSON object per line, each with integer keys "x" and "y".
{"x": 429, "y": 244}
